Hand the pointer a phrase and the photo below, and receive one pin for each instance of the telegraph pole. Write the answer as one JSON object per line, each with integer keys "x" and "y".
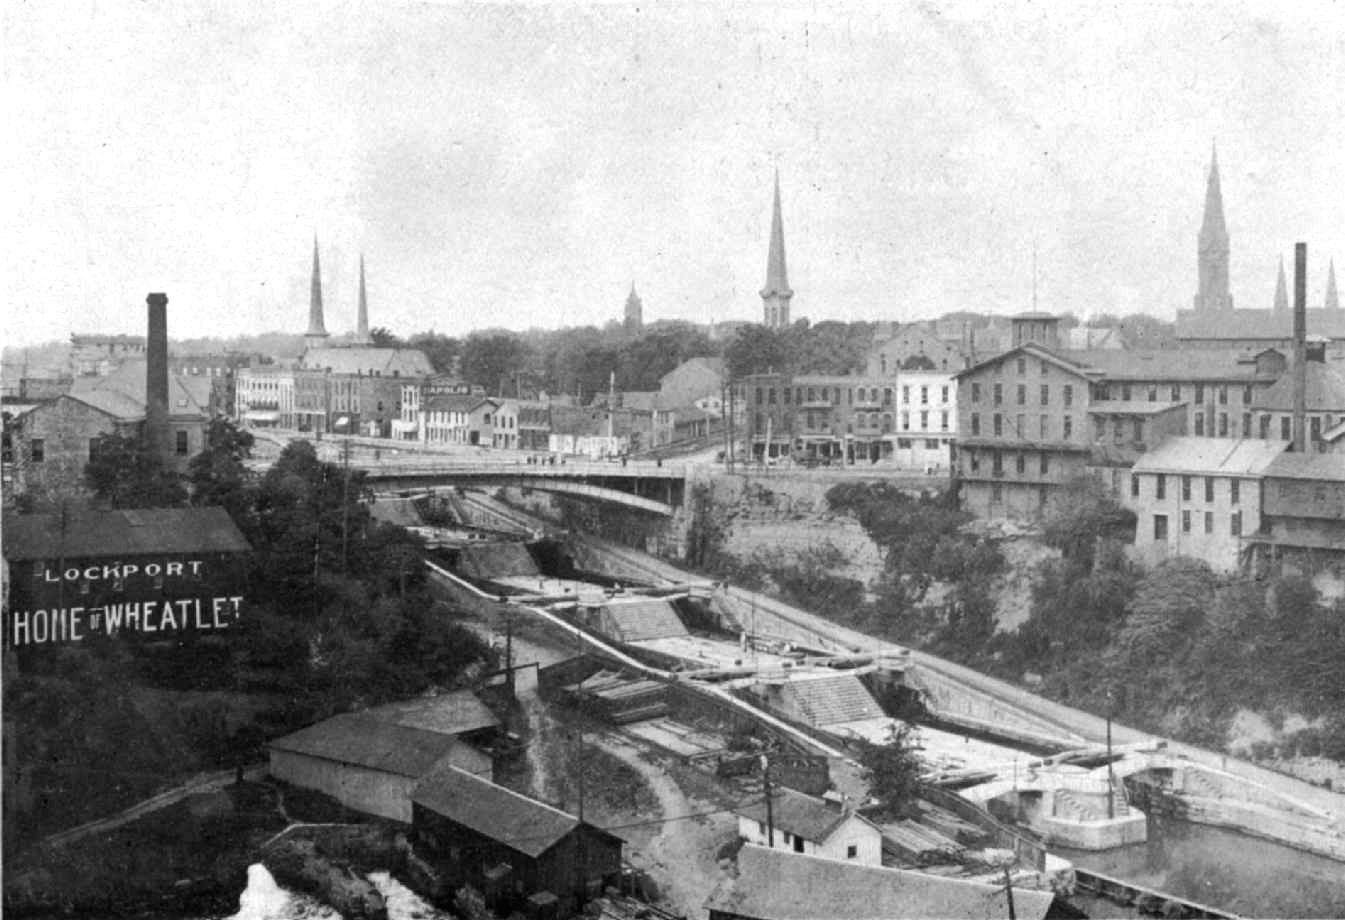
{"x": 770, "y": 807}
{"x": 1111, "y": 781}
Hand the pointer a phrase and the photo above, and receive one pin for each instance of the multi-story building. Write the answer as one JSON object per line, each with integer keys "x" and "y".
{"x": 446, "y": 418}
{"x": 926, "y": 419}
{"x": 1038, "y": 415}
{"x": 917, "y": 346}
{"x": 534, "y": 424}
{"x": 95, "y": 355}
{"x": 1302, "y": 512}
{"x": 1324, "y": 397}
{"x": 264, "y": 396}
{"x": 1200, "y": 497}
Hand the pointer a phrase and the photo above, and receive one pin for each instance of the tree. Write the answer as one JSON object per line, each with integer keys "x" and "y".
{"x": 440, "y": 350}
{"x": 126, "y": 472}
{"x": 755, "y": 350}
{"x": 217, "y": 474}
{"x": 1081, "y": 515}
{"x": 491, "y": 359}
{"x": 894, "y": 770}
{"x": 382, "y": 337}
{"x": 1167, "y": 612}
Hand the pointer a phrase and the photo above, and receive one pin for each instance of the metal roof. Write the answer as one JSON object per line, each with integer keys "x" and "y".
{"x": 1211, "y": 456}
{"x": 520, "y": 823}
{"x": 799, "y": 814}
{"x": 1287, "y": 465}
{"x": 1324, "y": 390}
{"x": 1269, "y": 325}
{"x": 455, "y": 712}
{"x": 124, "y": 533}
{"x": 365, "y": 741}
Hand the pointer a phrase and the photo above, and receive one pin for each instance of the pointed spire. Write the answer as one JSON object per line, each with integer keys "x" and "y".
{"x": 1212, "y": 228}
{"x": 1332, "y": 298}
{"x": 634, "y": 317}
{"x": 1281, "y": 290}
{"x": 317, "y": 329}
{"x": 775, "y": 294}
{"x": 362, "y": 318}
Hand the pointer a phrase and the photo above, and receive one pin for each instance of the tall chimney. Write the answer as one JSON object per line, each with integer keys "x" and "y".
{"x": 1300, "y": 346}
{"x": 156, "y": 375}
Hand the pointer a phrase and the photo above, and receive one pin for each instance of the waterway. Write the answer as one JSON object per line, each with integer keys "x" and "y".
{"x": 1222, "y": 868}
{"x": 263, "y": 899}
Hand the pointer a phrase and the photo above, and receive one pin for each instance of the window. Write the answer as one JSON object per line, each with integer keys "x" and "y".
{"x": 905, "y": 421}
{"x": 1247, "y": 395}
{"x": 1153, "y": 392}
{"x": 1045, "y": 463}
{"x": 851, "y": 851}
{"x": 906, "y": 394}
{"x": 943, "y": 395}
{"x": 1045, "y": 394}
{"x": 1019, "y": 428}
{"x": 1186, "y": 492}
{"x": 996, "y": 492}
{"x": 798, "y": 844}
{"x": 924, "y": 420}
{"x": 1118, "y": 431}
{"x": 998, "y": 462}
{"x": 999, "y": 394}
{"x": 812, "y": 394}
{"x": 1223, "y": 424}
{"x": 761, "y": 828}
{"x": 1022, "y": 366}
{"x": 1200, "y": 424}
{"x": 1138, "y": 430}
{"x": 1099, "y": 428}
{"x": 1200, "y": 392}
{"x": 93, "y": 448}
{"x": 1160, "y": 486}
{"x": 1022, "y": 395}
{"x": 1176, "y": 392}
{"x": 1286, "y": 432}
{"x": 770, "y": 396}
{"x": 1020, "y": 463}
{"x": 1265, "y": 427}
{"x": 1223, "y": 395}
{"x": 1209, "y": 488}
{"x": 1045, "y": 369}
{"x": 974, "y": 460}
{"x": 1234, "y": 491}
{"x": 1069, "y": 427}
{"x": 1246, "y": 424}
{"x": 999, "y": 425}
{"x": 181, "y": 445}
{"x": 1134, "y": 485}
{"x": 1209, "y": 522}
{"x": 1315, "y": 428}
{"x": 1186, "y": 522}
{"x": 943, "y": 421}
{"x": 1045, "y": 423}
{"x": 931, "y": 443}
{"x": 887, "y": 396}
{"x": 1160, "y": 525}
{"x": 975, "y": 423}
{"x": 1068, "y": 395}
{"x": 784, "y": 395}
{"x": 1235, "y": 524}
{"x": 37, "y": 450}
{"x": 924, "y": 396}
{"x": 1125, "y": 392}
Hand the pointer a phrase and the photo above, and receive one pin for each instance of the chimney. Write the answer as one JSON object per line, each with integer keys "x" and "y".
{"x": 1300, "y": 347}
{"x": 156, "y": 375}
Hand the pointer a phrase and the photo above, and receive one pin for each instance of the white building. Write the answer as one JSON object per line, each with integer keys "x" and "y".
{"x": 804, "y": 824}
{"x": 264, "y": 396}
{"x": 926, "y": 423}
{"x": 1199, "y": 497}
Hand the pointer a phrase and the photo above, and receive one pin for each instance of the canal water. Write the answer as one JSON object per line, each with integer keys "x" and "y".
{"x": 1235, "y": 872}
{"x": 263, "y": 899}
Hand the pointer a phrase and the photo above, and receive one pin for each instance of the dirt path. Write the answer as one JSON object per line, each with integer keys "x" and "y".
{"x": 681, "y": 857}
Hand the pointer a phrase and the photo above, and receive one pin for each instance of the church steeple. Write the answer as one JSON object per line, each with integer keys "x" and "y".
{"x": 317, "y": 330}
{"x": 634, "y": 316}
{"x": 1281, "y": 291}
{"x": 362, "y": 318}
{"x": 1332, "y": 298}
{"x": 1212, "y": 253}
{"x": 776, "y": 294}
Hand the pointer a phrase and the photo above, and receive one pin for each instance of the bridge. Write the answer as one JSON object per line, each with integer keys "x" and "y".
{"x": 650, "y": 486}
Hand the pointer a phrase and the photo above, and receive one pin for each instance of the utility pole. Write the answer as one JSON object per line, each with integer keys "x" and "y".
{"x": 345, "y": 503}
{"x": 1008, "y": 893}
{"x": 770, "y": 807}
{"x": 1111, "y": 781}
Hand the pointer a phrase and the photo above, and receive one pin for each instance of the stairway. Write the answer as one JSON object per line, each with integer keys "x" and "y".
{"x": 1069, "y": 807}
{"x": 1196, "y": 782}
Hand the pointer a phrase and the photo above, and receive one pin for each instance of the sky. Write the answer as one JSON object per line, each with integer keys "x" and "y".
{"x": 521, "y": 165}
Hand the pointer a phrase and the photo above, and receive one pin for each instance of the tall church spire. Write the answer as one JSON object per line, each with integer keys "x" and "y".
{"x": 1332, "y": 298}
{"x": 317, "y": 330}
{"x": 776, "y": 294}
{"x": 1212, "y": 252}
{"x": 362, "y": 318}
{"x": 633, "y": 321}
{"x": 1281, "y": 291}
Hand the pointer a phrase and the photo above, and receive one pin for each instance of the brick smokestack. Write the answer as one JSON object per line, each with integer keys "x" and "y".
{"x": 156, "y": 375}
{"x": 1300, "y": 346}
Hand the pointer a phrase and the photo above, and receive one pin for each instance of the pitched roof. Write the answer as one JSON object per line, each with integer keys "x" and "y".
{"x": 1267, "y": 325}
{"x": 1211, "y": 456}
{"x": 779, "y": 885}
{"x": 799, "y": 814}
{"x": 367, "y": 741}
{"x": 454, "y": 402}
{"x": 1164, "y": 363}
{"x": 454, "y": 713}
{"x": 122, "y": 392}
{"x": 519, "y": 822}
{"x": 368, "y": 359}
{"x": 1325, "y": 390}
{"x": 125, "y": 533}
{"x": 1039, "y": 351}
{"x": 1330, "y": 467}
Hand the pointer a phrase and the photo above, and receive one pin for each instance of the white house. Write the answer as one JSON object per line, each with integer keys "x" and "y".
{"x": 804, "y": 824}
{"x": 926, "y": 422}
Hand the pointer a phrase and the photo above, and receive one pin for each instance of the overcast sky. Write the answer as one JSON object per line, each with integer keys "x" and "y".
{"x": 521, "y": 165}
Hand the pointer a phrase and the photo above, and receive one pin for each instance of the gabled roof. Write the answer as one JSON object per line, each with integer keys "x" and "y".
{"x": 1060, "y": 360}
{"x": 1165, "y": 363}
{"x": 125, "y": 533}
{"x": 712, "y": 363}
{"x": 366, "y": 359}
{"x": 454, "y": 713}
{"x": 122, "y": 393}
{"x": 456, "y": 402}
{"x": 1266, "y": 325}
{"x": 1325, "y": 390}
{"x": 1211, "y": 456}
{"x": 517, "y": 821}
{"x": 778, "y": 885}
{"x": 801, "y": 815}
{"x": 366, "y": 741}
